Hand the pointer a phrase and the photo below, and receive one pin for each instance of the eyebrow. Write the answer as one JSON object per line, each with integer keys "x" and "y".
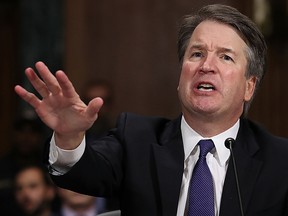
{"x": 226, "y": 50}
{"x": 219, "y": 49}
{"x": 197, "y": 46}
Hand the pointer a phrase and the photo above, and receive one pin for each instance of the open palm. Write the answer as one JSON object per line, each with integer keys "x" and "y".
{"x": 60, "y": 107}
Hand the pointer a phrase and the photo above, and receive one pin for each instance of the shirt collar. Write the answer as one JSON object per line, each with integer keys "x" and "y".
{"x": 191, "y": 138}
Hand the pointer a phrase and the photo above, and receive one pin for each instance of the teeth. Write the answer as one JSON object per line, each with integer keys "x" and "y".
{"x": 206, "y": 87}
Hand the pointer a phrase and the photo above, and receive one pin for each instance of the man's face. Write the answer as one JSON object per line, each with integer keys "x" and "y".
{"x": 31, "y": 192}
{"x": 76, "y": 201}
{"x": 212, "y": 82}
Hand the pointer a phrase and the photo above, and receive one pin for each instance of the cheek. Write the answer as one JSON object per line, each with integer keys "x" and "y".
{"x": 187, "y": 68}
{"x": 187, "y": 73}
{"x": 233, "y": 89}
{"x": 36, "y": 194}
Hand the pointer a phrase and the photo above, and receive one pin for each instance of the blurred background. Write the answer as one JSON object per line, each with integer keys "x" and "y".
{"x": 132, "y": 46}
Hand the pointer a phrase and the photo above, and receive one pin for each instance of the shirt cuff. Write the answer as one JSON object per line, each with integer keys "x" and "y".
{"x": 61, "y": 160}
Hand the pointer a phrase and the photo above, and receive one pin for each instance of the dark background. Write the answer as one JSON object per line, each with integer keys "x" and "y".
{"x": 130, "y": 43}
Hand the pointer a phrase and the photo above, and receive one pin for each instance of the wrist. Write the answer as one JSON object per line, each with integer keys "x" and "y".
{"x": 69, "y": 142}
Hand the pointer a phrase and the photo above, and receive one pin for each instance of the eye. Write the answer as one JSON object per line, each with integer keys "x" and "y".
{"x": 227, "y": 58}
{"x": 196, "y": 54}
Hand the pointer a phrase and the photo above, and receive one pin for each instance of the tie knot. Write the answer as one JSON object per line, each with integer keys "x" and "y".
{"x": 205, "y": 147}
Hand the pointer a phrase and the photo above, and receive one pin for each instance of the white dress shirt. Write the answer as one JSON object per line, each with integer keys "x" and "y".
{"x": 62, "y": 160}
{"x": 217, "y": 162}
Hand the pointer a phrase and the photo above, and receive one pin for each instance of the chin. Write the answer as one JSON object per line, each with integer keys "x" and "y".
{"x": 206, "y": 108}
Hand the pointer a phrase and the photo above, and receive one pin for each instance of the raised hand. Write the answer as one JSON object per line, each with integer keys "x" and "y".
{"x": 60, "y": 107}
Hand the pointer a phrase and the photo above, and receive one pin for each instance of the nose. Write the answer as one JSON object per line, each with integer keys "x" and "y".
{"x": 208, "y": 64}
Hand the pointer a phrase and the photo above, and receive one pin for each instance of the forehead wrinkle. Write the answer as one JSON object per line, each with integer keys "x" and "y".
{"x": 200, "y": 45}
{"x": 226, "y": 50}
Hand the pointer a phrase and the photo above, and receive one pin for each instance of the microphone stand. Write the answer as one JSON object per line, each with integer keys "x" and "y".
{"x": 229, "y": 143}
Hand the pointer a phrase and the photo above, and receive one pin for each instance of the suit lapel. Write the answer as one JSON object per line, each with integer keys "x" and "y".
{"x": 248, "y": 170}
{"x": 169, "y": 159}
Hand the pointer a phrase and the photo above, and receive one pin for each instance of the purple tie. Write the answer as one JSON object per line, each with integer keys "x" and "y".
{"x": 201, "y": 190}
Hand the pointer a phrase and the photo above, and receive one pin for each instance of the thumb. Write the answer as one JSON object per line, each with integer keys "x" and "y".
{"x": 93, "y": 107}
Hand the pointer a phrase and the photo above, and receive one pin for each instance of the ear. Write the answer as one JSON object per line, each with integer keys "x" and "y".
{"x": 250, "y": 88}
{"x": 51, "y": 192}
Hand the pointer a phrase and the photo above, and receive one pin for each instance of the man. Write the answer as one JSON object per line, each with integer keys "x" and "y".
{"x": 73, "y": 203}
{"x": 26, "y": 148}
{"x": 34, "y": 191}
{"x": 149, "y": 162}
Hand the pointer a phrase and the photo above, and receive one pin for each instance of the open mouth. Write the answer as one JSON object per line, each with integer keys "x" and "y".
{"x": 205, "y": 87}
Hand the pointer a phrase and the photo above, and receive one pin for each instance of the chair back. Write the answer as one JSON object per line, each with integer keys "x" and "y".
{"x": 111, "y": 213}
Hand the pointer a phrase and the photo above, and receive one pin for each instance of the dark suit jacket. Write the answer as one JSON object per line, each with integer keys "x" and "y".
{"x": 142, "y": 162}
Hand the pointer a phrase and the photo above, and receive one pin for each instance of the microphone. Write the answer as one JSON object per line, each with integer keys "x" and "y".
{"x": 229, "y": 143}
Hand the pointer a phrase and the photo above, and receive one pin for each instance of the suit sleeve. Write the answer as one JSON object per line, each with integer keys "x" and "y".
{"x": 99, "y": 170}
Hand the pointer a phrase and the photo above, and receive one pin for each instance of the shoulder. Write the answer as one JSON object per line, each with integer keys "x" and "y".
{"x": 264, "y": 138}
{"x": 127, "y": 116}
{"x": 263, "y": 133}
{"x": 140, "y": 121}
{"x": 145, "y": 127}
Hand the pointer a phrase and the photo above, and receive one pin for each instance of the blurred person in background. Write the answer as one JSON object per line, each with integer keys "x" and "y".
{"x": 75, "y": 204}
{"x": 34, "y": 191}
{"x": 26, "y": 148}
{"x": 99, "y": 88}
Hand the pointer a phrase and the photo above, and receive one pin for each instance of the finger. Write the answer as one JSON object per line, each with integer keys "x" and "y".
{"x": 66, "y": 85}
{"x": 49, "y": 79}
{"x": 37, "y": 83}
{"x": 93, "y": 108}
{"x": 27, "y": 96}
